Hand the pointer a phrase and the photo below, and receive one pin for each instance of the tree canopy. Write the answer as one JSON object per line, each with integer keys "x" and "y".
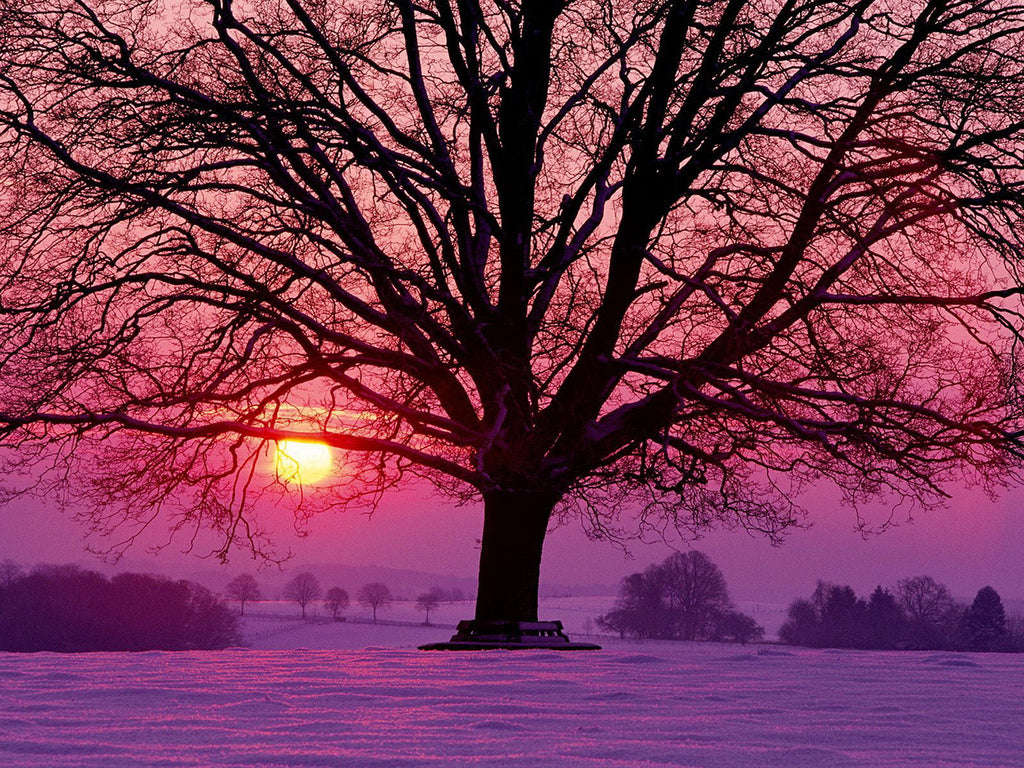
{"x": 245, "y": 589}
{"x": 302, "y": 589}
{"x": 375, "y": 595}
{"x": 666, "y": 260}
{"x": 682, "y": 598}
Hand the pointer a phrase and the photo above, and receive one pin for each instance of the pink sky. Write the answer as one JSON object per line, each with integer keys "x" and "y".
{"x": 971, "y": 544}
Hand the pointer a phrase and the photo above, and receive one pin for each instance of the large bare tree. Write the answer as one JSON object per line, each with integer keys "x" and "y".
{"x": 667, "y": 260}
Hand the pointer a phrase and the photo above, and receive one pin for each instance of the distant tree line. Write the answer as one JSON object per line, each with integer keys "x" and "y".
{"x": 683, "y": 598}
{"x": 919, "y": 614}
{"x": 69, "y": 609}
{"x": 304, "y": 590}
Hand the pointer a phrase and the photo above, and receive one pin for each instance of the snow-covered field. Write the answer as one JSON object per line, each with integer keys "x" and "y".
{"x": 355, "y": 694}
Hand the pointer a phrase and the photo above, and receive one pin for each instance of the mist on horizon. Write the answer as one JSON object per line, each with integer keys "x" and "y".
{"x": 972, "y": 543}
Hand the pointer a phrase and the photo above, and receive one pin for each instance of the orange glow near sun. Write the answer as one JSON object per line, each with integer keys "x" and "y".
{"x": 302, "y": 462}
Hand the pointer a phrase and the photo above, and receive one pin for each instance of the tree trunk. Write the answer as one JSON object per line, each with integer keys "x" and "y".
{"x": 515, "y": 523}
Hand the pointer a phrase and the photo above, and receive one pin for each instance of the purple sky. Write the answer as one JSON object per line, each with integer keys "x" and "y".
{"x": 972, "y": 543}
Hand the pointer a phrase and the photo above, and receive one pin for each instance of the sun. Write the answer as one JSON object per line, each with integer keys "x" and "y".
{"x": 298, "y": 461}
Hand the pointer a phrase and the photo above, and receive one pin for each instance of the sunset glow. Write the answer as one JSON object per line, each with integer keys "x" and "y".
{"x": 302, "y": 462}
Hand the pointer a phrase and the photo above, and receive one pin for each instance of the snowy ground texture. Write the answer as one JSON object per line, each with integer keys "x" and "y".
{"x": 650, "y": 704}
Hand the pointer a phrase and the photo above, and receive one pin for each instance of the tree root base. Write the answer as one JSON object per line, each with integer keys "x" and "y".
{"x": 473, "y": 635}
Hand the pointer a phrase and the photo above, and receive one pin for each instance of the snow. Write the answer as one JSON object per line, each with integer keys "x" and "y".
{"x": 357, "y": 694}
{"x": 276, "y": 625}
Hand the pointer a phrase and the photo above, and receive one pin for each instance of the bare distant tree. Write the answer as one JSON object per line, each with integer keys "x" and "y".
{"x": 924, "y": 599}
{"x": 375, "y": 595}
{"x": 244, "y": 589}
{"x": 430, "y": 600}
{"x": 336, "y": 600}
{"x": 303, "y": 589}
{"x": 10, "y": 572}
{"x": 653, "y": 266}
{"x": 696, "y": 592}
{"x": 927, "y": 605}
{"x": 1015, "y": 632}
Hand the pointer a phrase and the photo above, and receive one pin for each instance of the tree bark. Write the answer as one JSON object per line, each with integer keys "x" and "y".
{"x": 515, "y": 523}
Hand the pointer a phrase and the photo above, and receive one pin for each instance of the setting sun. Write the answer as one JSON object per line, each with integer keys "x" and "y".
{"x": 302, "y": 462}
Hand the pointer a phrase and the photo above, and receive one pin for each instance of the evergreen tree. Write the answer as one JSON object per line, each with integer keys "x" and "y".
{"x": 985, "y": 621}
{"x": 884, "y": 620}
{"x": 842, "y": 618}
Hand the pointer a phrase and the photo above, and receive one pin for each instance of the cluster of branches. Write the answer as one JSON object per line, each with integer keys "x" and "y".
{"x": 614, "y": 250}
{"x": 921, "y": 614}
{"x": 67, "y": 609}
{"x": 683, "y": 598}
